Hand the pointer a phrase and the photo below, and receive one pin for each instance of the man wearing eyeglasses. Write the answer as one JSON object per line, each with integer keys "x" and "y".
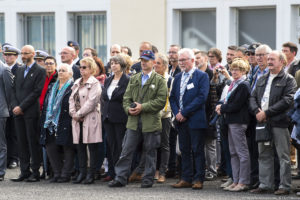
{"x": 67, "y": 55}
{"x": 188, "y": 96}
{"x": 29, "y": 82}
{"x": 261, "y": 56}
{"x": 173, "y": 60}
{"x": 252, "y": 60}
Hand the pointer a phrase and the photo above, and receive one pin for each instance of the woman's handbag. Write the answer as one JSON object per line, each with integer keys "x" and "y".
{"x": 263, "y": 132}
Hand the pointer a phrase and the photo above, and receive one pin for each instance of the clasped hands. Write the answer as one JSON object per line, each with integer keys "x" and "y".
{"x": 137, "y": 110}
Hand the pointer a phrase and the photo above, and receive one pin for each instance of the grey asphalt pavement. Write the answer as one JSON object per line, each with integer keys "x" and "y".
{"x": 44, "y": 190}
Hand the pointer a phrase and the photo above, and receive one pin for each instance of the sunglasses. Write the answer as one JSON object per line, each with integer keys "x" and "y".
{"x": 49, "y": 63}
{"x": 250, "y": 54}
{"x": 82, "y": 67}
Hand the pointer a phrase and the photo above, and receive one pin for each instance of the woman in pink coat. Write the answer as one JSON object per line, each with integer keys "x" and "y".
{"x": 86, "y": 119}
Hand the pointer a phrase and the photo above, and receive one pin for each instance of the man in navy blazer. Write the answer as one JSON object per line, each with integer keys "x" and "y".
{"x": 188, "y": 96}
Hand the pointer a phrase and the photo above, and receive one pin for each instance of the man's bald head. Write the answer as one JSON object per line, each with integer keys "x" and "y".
{"x": 67, "y": 54}
{"x": 27, "y": 53}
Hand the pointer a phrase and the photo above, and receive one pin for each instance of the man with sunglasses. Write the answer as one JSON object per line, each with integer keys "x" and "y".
{"x": 252, "y": 60}
{"x": 67, "y": 55}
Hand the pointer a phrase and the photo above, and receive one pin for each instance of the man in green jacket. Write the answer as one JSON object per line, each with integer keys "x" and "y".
{"x": 145, "y": 96}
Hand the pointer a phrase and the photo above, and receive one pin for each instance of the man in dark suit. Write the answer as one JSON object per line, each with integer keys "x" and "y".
{"x": 6, "y": 84}
{"x": 67, "y": 55}
{"x": 29, "y": 82}
{"x": 187, "y": 99}
{"x": 10, "y": 55}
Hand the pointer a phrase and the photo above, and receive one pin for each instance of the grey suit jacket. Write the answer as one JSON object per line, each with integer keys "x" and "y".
{"x": 6, "y": 89}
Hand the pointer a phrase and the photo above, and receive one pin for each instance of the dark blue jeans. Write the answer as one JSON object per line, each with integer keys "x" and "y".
{"x": 225, "y": 149}
{"x": 191, "y": 144}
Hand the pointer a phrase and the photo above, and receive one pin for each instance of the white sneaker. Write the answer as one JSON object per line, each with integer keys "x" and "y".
{"x": 227, "y": 183}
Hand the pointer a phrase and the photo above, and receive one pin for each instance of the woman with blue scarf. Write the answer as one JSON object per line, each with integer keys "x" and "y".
{"x": 235, "y": 111}
{"x": 56, "y": 129}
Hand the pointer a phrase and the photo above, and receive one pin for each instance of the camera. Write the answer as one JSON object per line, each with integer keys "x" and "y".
{"x": 132, "y": 105}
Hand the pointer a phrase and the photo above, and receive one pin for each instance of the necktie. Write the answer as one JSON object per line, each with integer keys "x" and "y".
{"x": 26, "y": 71}
{"x": 182, "y": 88}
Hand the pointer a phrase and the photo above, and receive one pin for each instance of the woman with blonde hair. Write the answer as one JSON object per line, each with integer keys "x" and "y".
{"x": 235, "y": 110}
{"x": 86, "y": 119}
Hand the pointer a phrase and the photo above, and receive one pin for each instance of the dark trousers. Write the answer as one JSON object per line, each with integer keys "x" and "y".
{"x": 3, "y": 152}
{"x": 61, "y": 157}
{"x": 82, "y": 155}
{"x": 11, "y": 139}
{"x": 172, "y": 143}
{"x": 191, "y": 143}
{"x": 253, "y": 151}
{"x": 151, "y": 142}
{"x": 225, "y": 150}
{"x": 114, "y": 135}
{"x": 29, "y": 149}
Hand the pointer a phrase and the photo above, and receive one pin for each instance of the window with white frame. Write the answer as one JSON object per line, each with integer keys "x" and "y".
{"x": 257, "y": 25}
{"x": 91, "y": 32}
{"x": 39, "y": 31}
{"x": 2, "y": 31}
{"x": 198, "y": 29}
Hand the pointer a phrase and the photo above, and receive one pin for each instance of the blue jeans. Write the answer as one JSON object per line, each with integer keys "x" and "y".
{"x": 191, "y": 144}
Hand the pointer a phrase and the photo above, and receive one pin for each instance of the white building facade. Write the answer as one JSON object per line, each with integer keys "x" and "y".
{"x": 49, "y": 24}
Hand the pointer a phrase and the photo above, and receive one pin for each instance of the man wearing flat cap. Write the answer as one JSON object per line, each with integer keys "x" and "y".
{"x": 10, "y": 55}
{"x": 75, "y": 45}
{"x": 40, "y": 57}
{"x": 145, "y": 96}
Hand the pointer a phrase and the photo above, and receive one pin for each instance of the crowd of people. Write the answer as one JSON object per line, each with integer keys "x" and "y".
{"x": 182, "y": 115}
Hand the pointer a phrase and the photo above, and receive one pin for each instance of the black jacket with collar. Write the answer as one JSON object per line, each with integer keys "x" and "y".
{"x": 177, "y": 70}
{"x": 294, "y": 67}
{"x": 236, "y": 109}
{"x": 281, "y": 97}
{"x": 112, "y": 109}
{"x": 28, "y": 90}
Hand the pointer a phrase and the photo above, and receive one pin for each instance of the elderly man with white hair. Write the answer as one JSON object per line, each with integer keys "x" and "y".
{"x": 188, "y": 96}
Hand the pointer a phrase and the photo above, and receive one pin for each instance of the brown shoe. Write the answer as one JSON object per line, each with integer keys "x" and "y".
{"x": 261, "y": 191}
{"x": 135, "y": 177}
{"x": 197, "y": 185}
{"x": 282, "y": 192}
{"x": 182, "y": 184}
{"x": 161, "y": 179}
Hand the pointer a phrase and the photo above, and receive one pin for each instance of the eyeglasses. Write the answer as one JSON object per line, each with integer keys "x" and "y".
{"x": 82, "y": 67}
{"x": 115, "y": 52}
{"x": 172, "y": 52}
{"x": 183, "y": 60}
{"x": 261, "y": 54}
{"x": 25, "y": 53}
{"x": 211, "y": 56}
{"x": 64, "y": 53}
{"x": 62, "y": 70}
{"x": 250, "y": 54}
{"x": 49, "y": 63}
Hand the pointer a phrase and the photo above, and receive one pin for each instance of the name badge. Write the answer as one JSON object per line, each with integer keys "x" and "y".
{"x": 190, "y": 86}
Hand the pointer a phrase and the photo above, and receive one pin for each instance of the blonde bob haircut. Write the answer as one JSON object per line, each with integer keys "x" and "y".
{"x": 241, "y": 64}
{"x": 90, "y": 62}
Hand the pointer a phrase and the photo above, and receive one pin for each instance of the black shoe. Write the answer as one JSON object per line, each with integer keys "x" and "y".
{"x": 21, "y": 178}
{"x": 54, "y": 179}
{"x": 115, "y": 183}
{"x": 89, "y": 179}
{"x": 75, "y": 175}
{"x": 170, "y": 174}
{"x": 2, "y": 177}
{"x": 13, "y": 165}
{"x": 64, "y": 180}
{"x": 80, "y": 178}
{"x": 296, "y": 177}
{"x": 146, "y": 185}
{"x": 33, "y": 178}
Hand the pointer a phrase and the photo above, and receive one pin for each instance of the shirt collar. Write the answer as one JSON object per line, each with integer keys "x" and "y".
{"x": 264, "y": 71}
{"x": 190, "y": 72}
{"x": 30, "y": 65}
{"x": 149, "y": 75}
{"x": 75, "y": 61}
{"x": 11, "y": 66}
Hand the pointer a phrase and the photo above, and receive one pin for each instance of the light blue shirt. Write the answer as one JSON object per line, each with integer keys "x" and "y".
{"x": 27, "y": 69}
{"x": 145, "y": 77}
{"x": 259, "y": 74}
{"x": 183, "y": 84}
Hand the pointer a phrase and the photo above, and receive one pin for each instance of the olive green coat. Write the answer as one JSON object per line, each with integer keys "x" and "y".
{"x": 154, "y": 100}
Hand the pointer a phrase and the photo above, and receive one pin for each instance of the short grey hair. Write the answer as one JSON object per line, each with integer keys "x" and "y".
{"x": 69, "y": 68}
{"x": 264, "y": 47}
{"x": 189, "y": 51}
